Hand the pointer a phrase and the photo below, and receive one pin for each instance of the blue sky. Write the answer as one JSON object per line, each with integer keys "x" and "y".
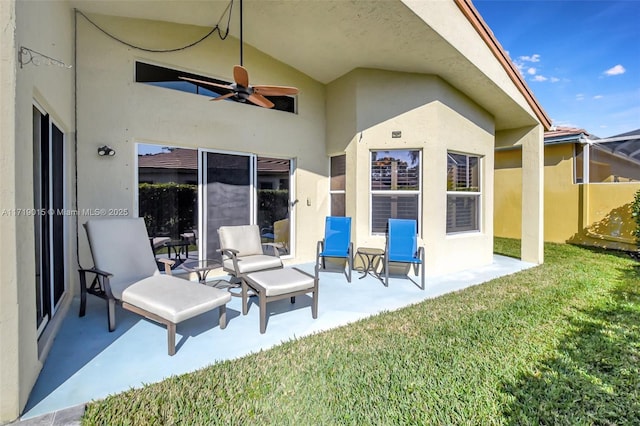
{"x": 580, "y": 58}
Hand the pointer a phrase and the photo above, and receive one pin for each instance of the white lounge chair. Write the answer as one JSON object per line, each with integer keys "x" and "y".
{"x": 125, "y": 272}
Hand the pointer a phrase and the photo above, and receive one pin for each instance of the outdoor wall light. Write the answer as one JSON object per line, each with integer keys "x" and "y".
{"x": 106, "y": 150}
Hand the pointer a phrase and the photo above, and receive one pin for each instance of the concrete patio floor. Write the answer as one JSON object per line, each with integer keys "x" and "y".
{"x": 87, "y": 363}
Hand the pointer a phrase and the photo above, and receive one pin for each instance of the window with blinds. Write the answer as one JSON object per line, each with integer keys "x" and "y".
{"x": 337, "y": 185}
{"x": 395, "y": 187}
{"x": 463, "y": 193}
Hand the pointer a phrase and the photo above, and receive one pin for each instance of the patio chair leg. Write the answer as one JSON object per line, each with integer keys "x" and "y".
{"x": 422, "y": 266}
{"x": 111, "y": 314}
{"x": 245, "y": 302}
{"x": 263, "y": 313}
{"x": 386, "y": 274}
{"x": 83, "y": 294}
{"x": 223, "y": 317}
{"x": 314, "y": 305}
{"x": 171, "y": 338}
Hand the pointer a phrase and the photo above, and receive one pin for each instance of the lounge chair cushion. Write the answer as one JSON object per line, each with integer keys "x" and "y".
{"x": 253, "y": 263}
{"x": 159, "y": 241}
{"x": 173, "y": 298}
{"x": 244, "y": 238}
{"x": 106, "y": 236}
{"x": 281, "y": 281}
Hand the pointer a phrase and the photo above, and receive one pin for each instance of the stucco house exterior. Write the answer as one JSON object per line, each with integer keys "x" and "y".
{"x": 589, "y": 187}
{"x": 385, "y": 87}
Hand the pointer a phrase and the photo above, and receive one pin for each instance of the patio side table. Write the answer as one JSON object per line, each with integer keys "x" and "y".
{"x": 371, "y": 258}
{"x": 202, "y": 268}
{"x": 178, "y": 247}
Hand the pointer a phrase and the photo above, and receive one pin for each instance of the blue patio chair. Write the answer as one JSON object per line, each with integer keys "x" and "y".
{"x": 336, "y": 243}
{"x": 402, "y": 247}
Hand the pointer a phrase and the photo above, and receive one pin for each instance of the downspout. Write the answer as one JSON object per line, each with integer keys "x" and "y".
{"x": 75, "y": 130}
{"x": 586, "y": 154}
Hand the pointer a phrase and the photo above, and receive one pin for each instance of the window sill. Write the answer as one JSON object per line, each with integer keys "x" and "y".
{"x": 463, "y": 234}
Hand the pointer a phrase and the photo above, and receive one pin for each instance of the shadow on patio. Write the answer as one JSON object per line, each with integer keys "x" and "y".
{"x": 87, "y": 362}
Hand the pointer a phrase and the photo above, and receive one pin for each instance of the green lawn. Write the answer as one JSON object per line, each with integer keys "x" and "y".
{"x": 555, "y": 344}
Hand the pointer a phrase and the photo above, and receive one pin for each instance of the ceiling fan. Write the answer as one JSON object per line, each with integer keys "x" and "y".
{"x": 240, "y": 90}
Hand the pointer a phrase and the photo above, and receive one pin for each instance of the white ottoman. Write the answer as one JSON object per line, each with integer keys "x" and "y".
{"x": 278, "y": 284}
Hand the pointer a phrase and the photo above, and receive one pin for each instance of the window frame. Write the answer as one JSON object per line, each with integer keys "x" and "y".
{"x": 332, "y": 191}
{"x": 458, "y": 193}
{"x": 144, "y": 71}
{"x": 389, "y": 192}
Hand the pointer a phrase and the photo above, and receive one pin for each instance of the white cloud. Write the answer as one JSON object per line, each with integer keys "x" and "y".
{"x": 533, "y": 58}
{"x": 564, "y": 123}
{"x": 598, "y": 97}
{"x": 617, "y": 70}
{"x": 580, "y": 97}
{"x": 554, "y": 79}
{"x": 540, "y": 78}
{"x": 531, "y": 71}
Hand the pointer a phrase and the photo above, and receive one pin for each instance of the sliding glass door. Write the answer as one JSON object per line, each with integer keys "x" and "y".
{"x": 190, "y": 193}
{"x": 48, "y": 200}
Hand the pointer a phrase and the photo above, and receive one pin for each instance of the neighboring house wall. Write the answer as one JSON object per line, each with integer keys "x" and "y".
{"x": 508, "y": 193}
{"x": 562, "y": 201}
{"x": 597, "y": 214}
{"x": 45, "y": 27}
{"x": 606, "y": 211}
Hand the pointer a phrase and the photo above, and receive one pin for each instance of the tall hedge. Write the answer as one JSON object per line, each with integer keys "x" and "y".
{"x": 635, "y": 212}
{"x": 169, "y": 209}
{"x": 273, "y": 204}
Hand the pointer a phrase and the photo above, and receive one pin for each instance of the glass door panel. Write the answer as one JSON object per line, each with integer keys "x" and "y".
{"x": 227, "y": 195}
{"x": 168, "y": 200}
{"x": 274, "y": 203}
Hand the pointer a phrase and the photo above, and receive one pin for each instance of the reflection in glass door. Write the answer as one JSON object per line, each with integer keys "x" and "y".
{"x": 227, "y": 195}
{"x": 274, "y": 201}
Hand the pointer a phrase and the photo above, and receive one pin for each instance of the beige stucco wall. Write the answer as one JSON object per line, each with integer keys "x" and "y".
{"x": 9, "y": 307}
{"x": 114, "y": 110}
{"x": 434, "y": 118}
{"x": 520, "y": 202}
{"x": 45, "y": 27}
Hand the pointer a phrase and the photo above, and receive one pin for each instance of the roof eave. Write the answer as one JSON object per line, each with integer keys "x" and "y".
{"x": 478, "y": 23}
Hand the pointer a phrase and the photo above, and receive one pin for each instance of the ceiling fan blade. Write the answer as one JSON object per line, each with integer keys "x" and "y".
{"x": 275, "y": 90}
{"x": 219, "y": 98}
{"x": 207, "y": 83}
{"x": 241, "y": 76}
{"x": 260, "y": 100}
